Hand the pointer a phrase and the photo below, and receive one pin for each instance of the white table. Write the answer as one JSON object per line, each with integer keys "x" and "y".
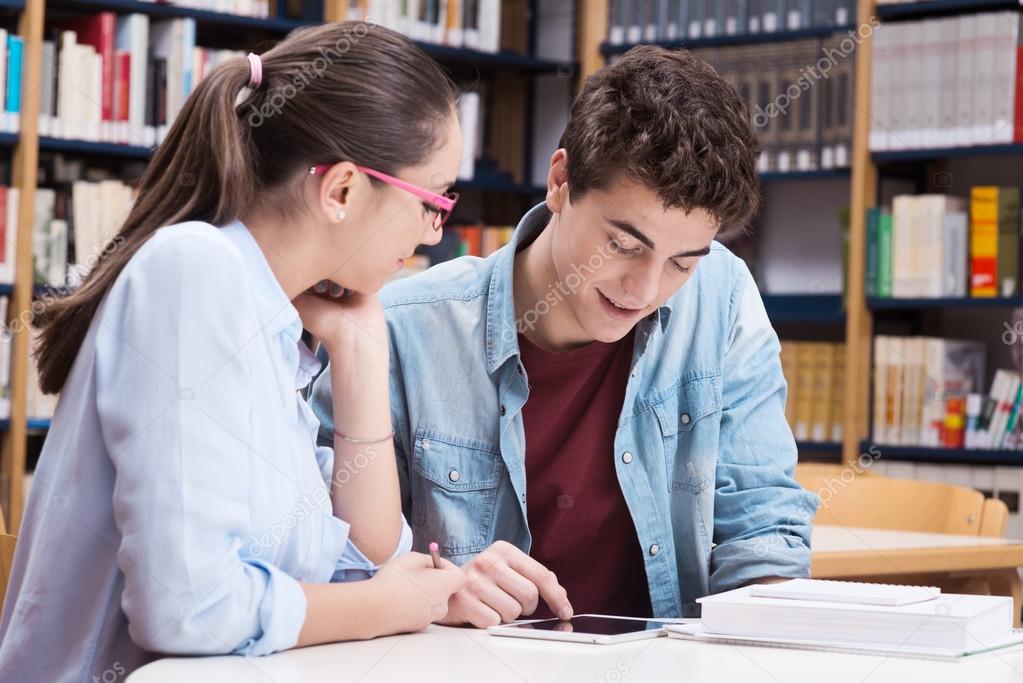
{"x": 448, "y": 654}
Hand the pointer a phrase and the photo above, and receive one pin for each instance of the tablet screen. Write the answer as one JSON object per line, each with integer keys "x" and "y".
{"x": 600, "y": 626}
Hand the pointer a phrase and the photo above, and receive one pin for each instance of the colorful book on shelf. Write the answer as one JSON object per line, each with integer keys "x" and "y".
{"x": 994, "y": 241}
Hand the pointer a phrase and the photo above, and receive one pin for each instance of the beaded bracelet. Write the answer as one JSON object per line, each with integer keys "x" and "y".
{"x": 363, "y": 441}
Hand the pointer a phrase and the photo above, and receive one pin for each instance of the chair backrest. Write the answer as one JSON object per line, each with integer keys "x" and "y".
{"x": 994, "y": 518}
{"x": 6, "y": 562}
{"x": 878, "y": 502}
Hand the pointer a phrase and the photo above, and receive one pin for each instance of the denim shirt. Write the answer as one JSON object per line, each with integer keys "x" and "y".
{"x": 703, "y": 453}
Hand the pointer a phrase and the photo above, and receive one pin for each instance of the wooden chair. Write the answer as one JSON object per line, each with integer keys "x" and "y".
{"x": 878, "y": 502}
{"x": 6, "y": 557}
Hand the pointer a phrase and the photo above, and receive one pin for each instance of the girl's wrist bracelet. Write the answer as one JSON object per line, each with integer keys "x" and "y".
{"x": 350, "y": 439}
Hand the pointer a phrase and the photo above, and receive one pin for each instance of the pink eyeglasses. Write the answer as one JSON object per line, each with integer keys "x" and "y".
{"x": 440, "y": 204}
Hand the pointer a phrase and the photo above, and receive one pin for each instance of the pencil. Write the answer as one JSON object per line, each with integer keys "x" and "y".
{"x": 434, "y": 548}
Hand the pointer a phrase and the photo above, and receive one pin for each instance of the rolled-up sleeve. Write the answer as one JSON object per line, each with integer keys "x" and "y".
{"x": 173, "y": 372}
{"x": 762, "y": 516}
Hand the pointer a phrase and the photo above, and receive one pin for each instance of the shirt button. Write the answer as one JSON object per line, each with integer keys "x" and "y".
{"x": 453, "y": 475}
{"x": 626, "y": 457}
{"x": 503, "y": 411}
{"x": 654, "y": 549}
{"x": 685, "y": 418}
{"x": 519, "y": 368}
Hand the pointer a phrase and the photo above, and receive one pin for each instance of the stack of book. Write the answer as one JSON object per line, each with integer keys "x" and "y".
{"x": 946, "y": 82}
{"x": 635, "y": 21}
{"x": 800, "y": 98}
{"x": 482, "y": 240}
{"x": 38, "y": 406}
{"x": 845, "y": 616}
{"x": 921, "y": 386}
{"x": 814, "y": 372}
{"x": 942, "y": 246}
{"x": 120, "y": 79}
{"x": 472, "y": 24}
{"x": 73, "y": 224}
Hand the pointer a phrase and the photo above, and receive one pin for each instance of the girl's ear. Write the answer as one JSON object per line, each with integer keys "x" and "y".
{"x": 557, "y": 181}
{"x": 337, "y": 187}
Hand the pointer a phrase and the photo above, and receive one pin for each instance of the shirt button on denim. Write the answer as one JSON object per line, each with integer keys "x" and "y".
{"x": 626, "y": 457}
{"x": 685, "y": 418}
{"x": 453, "y": 475}
{"x": 503, "y": 410}
{"x": 654, "y": 549}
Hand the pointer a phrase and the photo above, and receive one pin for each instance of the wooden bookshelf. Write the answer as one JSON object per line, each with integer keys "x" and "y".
{"x": 607, "y": 48}
{"x": 500, "y": 186}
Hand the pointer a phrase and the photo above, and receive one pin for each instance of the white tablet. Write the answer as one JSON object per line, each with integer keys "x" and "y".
{"x": 584, "y": 628}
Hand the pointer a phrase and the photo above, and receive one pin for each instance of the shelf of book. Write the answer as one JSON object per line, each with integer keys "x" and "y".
{"x": 931, "y": 154}
{"x": 33, "y": 425}
{"x": 797, "y": 308}
{"x": 821, "y": 174}
{"x": 881, "y": 304}
{"x": 609, "y": 48}
{"x": 165, "y": 10}
{"x": 964, "y": 456}
{"x": 89, "y": 148}
{"x": 459, "y": 55}
{"x": 933, "y": 8}
{"x": 819, "y": 447}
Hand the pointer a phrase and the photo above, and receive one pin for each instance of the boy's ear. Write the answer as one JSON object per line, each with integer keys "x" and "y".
{"x": 557, "y": 181}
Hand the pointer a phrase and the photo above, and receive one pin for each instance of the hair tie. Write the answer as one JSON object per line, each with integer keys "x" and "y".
{"x": 255, "y": 70}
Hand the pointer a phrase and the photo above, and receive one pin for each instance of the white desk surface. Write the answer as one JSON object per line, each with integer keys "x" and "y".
{"x": 448, "y": 654}
{"x": 834, "y": 539}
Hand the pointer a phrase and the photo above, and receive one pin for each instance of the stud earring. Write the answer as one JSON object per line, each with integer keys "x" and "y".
{"x": 341, "y": 215}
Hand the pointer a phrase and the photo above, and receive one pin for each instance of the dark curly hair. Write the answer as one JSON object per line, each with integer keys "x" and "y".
{"x": 668, "y": 121}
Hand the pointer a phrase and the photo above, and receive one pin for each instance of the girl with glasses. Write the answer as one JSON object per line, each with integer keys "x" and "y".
{"x": 181, "y": 504}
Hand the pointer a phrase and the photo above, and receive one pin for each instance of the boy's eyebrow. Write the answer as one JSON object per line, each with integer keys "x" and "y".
{"x": 626, "y": 226}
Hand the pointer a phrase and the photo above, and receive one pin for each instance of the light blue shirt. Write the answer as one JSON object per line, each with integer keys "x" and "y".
{"x": 180, "y": 497}
{"x": 703, "y": 453}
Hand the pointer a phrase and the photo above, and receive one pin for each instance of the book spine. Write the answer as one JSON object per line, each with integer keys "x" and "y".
{"x": 983, "y": 241}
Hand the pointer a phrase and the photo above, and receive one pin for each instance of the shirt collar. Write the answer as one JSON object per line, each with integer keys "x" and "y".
{"x": 276, "y": 312}
{"x": 502, "y": 329}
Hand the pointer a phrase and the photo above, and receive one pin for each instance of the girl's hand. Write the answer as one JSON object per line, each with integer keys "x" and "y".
{"x": 336, "y": 316}
{"x": 415, "y": 593}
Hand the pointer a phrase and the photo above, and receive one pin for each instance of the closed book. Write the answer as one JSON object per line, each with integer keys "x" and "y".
{"x": 873, "y": 215}
{"x": 805, "y": 358}
{"x": 824, "y": 367}
{"x": 946, "y": 621}
{"x": 984, "y": 241}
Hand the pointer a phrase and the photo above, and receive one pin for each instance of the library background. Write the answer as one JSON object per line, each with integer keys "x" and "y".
{"x": 887, "y": 250}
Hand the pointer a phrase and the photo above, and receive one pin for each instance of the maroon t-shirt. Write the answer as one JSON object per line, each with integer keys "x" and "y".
{"x": 581, "y": 527}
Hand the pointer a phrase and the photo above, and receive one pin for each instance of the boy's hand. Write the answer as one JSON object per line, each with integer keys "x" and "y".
{"x": 504, "y": 584}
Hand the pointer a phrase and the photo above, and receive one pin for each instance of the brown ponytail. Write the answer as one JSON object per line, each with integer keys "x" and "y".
{"x": 342, "y": 91}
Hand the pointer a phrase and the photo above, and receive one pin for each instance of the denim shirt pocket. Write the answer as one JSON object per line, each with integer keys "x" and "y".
{"x": 689, "y": 418}
{"x": 454, "y": 492}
